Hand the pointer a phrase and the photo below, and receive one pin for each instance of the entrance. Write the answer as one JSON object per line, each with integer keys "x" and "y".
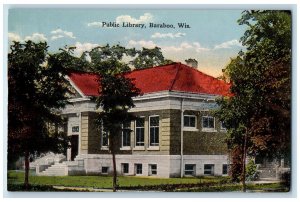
{"x": 74, "y": 146}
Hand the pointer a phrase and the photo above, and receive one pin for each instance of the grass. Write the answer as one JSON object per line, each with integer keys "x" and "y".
{"x": 203, "y": 184}
{"x": 104, "y": 181}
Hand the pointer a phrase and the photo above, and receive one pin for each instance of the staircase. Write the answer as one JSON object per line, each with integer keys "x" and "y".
{"x": 58, "y": 169}
{"x": 64, "y": 168}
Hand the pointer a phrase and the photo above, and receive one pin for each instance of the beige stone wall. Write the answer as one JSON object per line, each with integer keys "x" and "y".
{"x": 196, "y": 142}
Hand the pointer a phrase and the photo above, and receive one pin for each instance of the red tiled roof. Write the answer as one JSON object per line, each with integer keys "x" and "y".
{"x": 172, "y": 77}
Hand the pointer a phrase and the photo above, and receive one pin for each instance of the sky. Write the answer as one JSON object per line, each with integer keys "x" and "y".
{"x": 212, "y": 37}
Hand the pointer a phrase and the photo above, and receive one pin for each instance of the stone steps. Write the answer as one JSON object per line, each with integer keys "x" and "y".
{"x": 58, "y": 169}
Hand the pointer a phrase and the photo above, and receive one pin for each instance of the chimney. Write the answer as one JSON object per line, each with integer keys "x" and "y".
{"x": 192, "y": 63}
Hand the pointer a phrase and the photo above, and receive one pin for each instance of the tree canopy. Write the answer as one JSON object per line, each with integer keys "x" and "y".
{"x": 260, "y": 76}
{"x": 36, "y": 88}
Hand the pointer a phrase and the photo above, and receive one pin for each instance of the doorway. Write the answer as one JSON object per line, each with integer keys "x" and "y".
{"x": 74, "y": 146}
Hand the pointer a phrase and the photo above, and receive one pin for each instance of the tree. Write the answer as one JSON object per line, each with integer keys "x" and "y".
{"x": 115, "y": 94}
{"x": 257, "y": 116}
{"x": 149, "y": 58}
{"x": 36, "y": 87}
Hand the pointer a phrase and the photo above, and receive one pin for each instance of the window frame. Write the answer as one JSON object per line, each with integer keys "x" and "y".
{"x": 151, "y": 170}
{"x": 227, "y": 166}
{"x": 122, "y": 168}
{"x": 207, "y": 128}
{"x": 104, "y": 147}
{"x": 136, "y": 169}
{"x": 221, "y": 126}
{"x": 212, "y": 169}
{"x": 135, "y": 133}
{"x": 127, "y": 147}
{"x": 190, "y": 127}
{"x": 107, "y": 167}
{"x": 193, "y": 170}
{"x": 149, "y": 132}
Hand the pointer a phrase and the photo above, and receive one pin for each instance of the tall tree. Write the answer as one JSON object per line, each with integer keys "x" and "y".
{"x": 36, "y": 87}
{"x": 149, "y": 57}
{"x": 258, "y": 114}
{"x": 115, "y": 94}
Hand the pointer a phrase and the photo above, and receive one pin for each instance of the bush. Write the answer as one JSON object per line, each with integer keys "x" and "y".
{"x": 285, "y": 179}
{"x": 251, "y": 171}
{"x": 20, "y": 187}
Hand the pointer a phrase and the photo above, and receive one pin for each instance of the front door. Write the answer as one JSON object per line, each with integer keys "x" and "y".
{"x": 74, "y": 146}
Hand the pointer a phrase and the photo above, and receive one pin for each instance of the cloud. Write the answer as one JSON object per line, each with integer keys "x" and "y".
{"x": 228, "y": 44}
{"x": 82, "y": 47}
{"x": 56, "y": 37}
{"x": 59, "y": 33}
{"x": 142, "y": 19}
{"x": 184, "y": 46}
{"x": 35, "y": 37}
{"x": 141, "y": 43}
{"x": 94, "y": 24}
{"x": 168, "y": 35}
{"x": 13, "y": 37}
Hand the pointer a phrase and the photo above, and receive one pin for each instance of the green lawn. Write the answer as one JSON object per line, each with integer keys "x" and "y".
{"x": 203, "y": 184}
{"x": 104, "y": 181}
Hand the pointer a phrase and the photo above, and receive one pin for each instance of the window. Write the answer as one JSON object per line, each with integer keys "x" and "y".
{"x": 154, "y": 130}
{"x": 208, "y": 169}
{"x": 225, "y": 169}
{"x": 208, "y": 122}
{"x": 138, "y": 169}
{"x": 189, "y": 121}
{"x": 75, "y": 129}
{"x": 152, "y": 169}
{"x": 104, "y": 169}
{"x": 125, "y": 168}
{"x": 126, "y": 135}
{"x": 222, "y": 125}
{"x": 189, "y": 169}
{"x": 104, "y": 138}
{"x": 139, "y": 131}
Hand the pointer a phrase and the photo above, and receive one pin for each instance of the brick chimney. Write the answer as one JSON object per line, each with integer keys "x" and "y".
{"x": 192, "y": 63}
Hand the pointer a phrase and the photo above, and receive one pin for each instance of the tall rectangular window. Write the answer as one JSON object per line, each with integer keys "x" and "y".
{"x": 104, "y": 139}
{"x": 138, "y": 169}
{"x": 189, "y": 121}
{"x": 208, "y": 122}
{"x": 139, "y": 131}
{"x": 154, "y": 130}
{"x": 126, "y": 135}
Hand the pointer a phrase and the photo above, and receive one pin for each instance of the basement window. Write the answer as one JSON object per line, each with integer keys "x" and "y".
{"x": 208, "y": 169}
{"x": 104, "y": 170}
{"x": 152, "y": 169}
{"x": 190, "y": 169}
{"x": 138, "y": 169}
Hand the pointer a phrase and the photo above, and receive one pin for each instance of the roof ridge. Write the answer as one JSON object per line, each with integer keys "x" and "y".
{"x": 175, "y": 77}
{"x": 197, "y": 70}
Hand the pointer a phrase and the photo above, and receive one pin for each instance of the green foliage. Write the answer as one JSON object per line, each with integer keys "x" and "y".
{"x": 149, "y": 58}
{"x": 260, "y": 84}
{"x": 251, "y": 171}
{"x": 36, "y": 87}
{"x": 108, "y": 59}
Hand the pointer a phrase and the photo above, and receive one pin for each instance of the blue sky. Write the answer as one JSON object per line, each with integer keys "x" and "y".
{"x": 212, "y": 39}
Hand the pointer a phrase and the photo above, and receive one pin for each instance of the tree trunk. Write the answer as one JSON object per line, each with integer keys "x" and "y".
{"x": 26, "y": 179}
{"x": 244, "y": 162}
{"x": 113, "y": 145}
{"x": 114, "y": 172}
